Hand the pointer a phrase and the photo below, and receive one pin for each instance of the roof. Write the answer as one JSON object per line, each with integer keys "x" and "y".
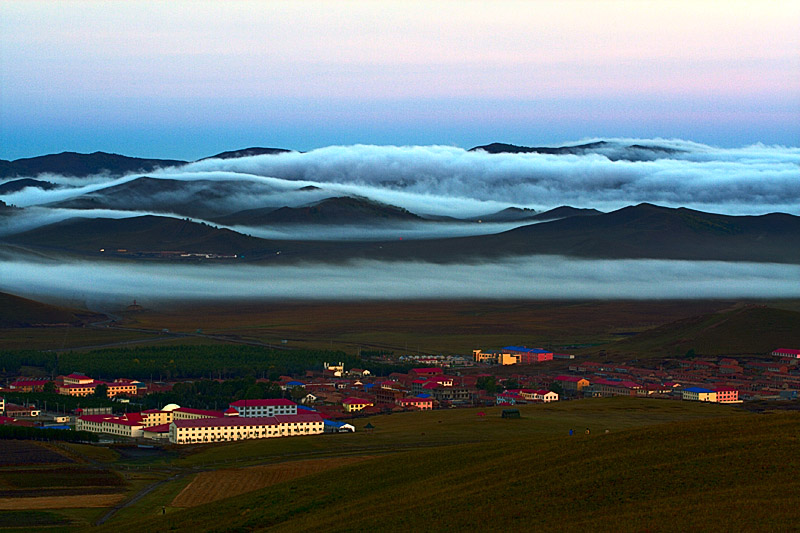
{"x": 356, "y": 401}
{"x": 161, "y": 428}
{"x": 573, "y": 379}
{"x": 204, "y": 412}
{"x": 428, "y": 370}
{"x": 523, "y": 349}
{"x": 274, "y": 402}
{"x": 697, "y": 389}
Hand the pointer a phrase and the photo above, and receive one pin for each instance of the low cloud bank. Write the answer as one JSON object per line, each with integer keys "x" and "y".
{"x": 101, "y": 285}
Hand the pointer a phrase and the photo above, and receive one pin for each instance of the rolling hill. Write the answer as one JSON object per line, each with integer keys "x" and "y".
{"x": 343, "y": 210}
{"x": 247, "y": 152}
{"x": 749, "y": 330}
{"x": 17, "y": 185}
{"x": 615, "y": 151}
{"x": 191, "y": 198}
{"x": 82, "y": 165}
{"x": 139, "y": 234}
{"x": 17, "y": 312}
{"x": 642, "y": 231}
{"x": 657, "y": 478}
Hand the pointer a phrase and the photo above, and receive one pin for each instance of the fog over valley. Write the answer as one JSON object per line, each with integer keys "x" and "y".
{"x": 101, "y": 285}
{"x": 613, "y": 218}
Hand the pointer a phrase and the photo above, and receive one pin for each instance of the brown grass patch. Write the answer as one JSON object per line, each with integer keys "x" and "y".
{"x": 220, "y": 484}
{"x": 60, "y": 502}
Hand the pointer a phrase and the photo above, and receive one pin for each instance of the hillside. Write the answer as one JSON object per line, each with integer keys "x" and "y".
{"x": 629, "y": 480}
{"x": 17, "y": 312}
{"x": 192, "y": 198}
{"x": 614, "y": 150}
{"x": 247, "y": 152}
{"x": 343, "y": 210}
{"x": 139, "y": 234}
{"x": 749, "y": 330}
{"x": 82, "y": 165}
{"x": 17, "y": 185}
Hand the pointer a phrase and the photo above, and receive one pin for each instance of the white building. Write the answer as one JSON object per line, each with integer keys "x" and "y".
{"x": 235, "y": 428}
{"x": 260, "y": 408}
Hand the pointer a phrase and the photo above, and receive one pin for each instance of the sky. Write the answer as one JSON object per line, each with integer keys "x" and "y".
{"x": 190, "y": 79}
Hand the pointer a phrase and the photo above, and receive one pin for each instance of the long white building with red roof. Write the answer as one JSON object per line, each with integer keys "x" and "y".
{"x": 233, "y": 428}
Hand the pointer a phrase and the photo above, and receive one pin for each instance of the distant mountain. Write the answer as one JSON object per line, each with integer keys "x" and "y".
{"x": 642, "y": 231}
{"x": 82, "y": 165}
{"x": 192, "y": 198}
{"x": 17, "y": 312}
{"x": 613, "y": 150}
{"x": 565, "y": 211}
{"x": 247, "y": 152}
{"x": 343, "y": 210}
{"x": 17, "y": 185}
{"x": 515, "y": 214}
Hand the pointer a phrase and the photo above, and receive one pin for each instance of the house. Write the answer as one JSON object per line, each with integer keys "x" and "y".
{"x": 571, "y": 383}
{"x": 726, "y": 395}
{"x": 786, "y": 353}
{"x": 528, "y": 356}
{"x": 266, "y": 407}
{"x": 122, "y": 426}
{"x": 545, "y": 396}
{"x": 699, "y": 394}
{"x": 425, "y": 372}
{"x": 17, "y": 411}
{"x": 352, "y": 405}
{"x": 29, "y": 385}
{"x": 423, "y": 404}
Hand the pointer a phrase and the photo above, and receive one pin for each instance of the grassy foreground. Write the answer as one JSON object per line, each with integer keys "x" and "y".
{"x": 732, "y": 472}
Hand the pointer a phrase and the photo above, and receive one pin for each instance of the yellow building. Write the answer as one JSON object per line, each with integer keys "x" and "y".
{"x": 352, "y": 405}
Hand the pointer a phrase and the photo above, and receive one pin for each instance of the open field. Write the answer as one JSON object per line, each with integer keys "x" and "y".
{"x": 20, "y": 452}
{"x": 424, "y": 326}
{"x": 404, "y": 431}
{"x": 220, "y": 484}
{"x": 693, "y": 474}
{"x": 90, "y": 501}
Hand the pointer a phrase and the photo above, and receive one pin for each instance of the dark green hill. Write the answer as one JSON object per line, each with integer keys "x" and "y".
{"x": 750, "y": 330}
{"x": 17, "y": 312}
{"x": 343, "y": 210}
{"x": 81, "y": 165}
{"x": 736, "y": 473}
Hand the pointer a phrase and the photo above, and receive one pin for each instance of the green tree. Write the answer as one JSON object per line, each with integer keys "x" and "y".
{"x": 101, "y": 391}
{"x": 49, "y": 387}
{"x": 487, "y": 383}
{"x": 557, "y": 388}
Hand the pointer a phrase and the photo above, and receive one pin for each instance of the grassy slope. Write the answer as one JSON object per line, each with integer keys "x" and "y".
{"x": 16, "y": 311}
{"x": 751, "y": 330}
{"x": 736, "y": 473}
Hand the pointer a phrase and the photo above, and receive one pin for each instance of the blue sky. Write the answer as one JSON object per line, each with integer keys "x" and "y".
{"x": 189, "y": 79}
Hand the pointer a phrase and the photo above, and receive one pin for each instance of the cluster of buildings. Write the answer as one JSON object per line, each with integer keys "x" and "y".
{"x": 517, "y": 355}
{"x": 244, "y": 419}
{"x": 81, "y": 385}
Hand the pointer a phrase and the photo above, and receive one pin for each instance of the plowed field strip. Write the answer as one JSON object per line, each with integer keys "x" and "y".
{"x": 60, "y": 502}
{"x": 219, "y": 484}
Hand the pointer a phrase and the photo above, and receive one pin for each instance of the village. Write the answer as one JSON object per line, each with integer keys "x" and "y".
{"x": 330, "y": 399}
